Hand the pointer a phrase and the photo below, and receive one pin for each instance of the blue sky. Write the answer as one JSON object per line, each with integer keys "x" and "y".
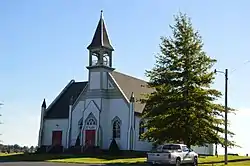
{"x": 43, "y": 46}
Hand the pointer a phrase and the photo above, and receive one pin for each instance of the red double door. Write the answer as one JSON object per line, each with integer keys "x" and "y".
{"x": 57, "y": 138}
{"x": 90, "y": 137}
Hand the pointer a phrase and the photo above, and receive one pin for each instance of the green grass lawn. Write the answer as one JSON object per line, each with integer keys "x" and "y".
{"x": 105, "y": 159}
{"x": 240, "y": 163}
{"x": 219, "y": 161}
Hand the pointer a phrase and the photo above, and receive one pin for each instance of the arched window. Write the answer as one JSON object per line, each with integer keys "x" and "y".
{"x": 116, "y": 128}
{"x": 141, "y": 129}
{"x": 91, "y": 121}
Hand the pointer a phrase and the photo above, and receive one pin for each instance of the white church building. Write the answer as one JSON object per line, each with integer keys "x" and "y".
{"x": 106, "y": 107}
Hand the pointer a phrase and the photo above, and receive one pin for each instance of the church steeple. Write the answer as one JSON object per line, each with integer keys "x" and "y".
{"x": 100, "y": 49}
{"x": 100, "y": 39}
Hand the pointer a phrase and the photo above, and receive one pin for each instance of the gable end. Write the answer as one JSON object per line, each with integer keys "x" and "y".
{"x": 59, "y": 109}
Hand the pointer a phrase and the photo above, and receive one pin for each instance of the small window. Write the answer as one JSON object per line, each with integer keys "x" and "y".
{"x": 110, "y": 86}
{"x": 116, "y": 129}
{"x": 91, "y": 122}
{"x": 141, "y": 129}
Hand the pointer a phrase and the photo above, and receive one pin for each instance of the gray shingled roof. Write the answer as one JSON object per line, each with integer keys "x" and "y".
{"x": 130, "y": 84}
{"x": 59, "y": 109}
{"x": 100, "y": 39}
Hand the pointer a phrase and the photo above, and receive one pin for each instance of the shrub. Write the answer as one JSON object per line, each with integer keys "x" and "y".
{"x": 113, "y": 147}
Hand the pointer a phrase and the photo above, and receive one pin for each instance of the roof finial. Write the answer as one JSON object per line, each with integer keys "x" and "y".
{"x": 132, "y": 98}
{"x": 101, "y": 14}
{"x": 44, "y": 104}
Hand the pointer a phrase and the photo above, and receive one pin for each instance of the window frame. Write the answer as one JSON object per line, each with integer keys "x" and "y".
{"x": 116, "y": 128}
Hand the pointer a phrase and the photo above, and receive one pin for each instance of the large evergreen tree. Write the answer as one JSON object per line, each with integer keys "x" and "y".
{"x": 182, "y": 108}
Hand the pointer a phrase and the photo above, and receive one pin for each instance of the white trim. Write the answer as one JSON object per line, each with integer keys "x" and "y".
{"x": 77, "y": 99}
{"x": 80, "y": 121}
{"x": 119, "y": 88}
{"x": 60, "y": 94}
{"x": 82, "y": 129}
{"x": 94, "y": 104}
{"x": 129, "y": 126}
{"x": 69, "y": 127}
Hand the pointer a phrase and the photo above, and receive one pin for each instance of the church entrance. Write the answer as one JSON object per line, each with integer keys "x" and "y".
{"x": 90, "y": 130}
{"x": 90, "y": 137}
{"x": 57, "y": 138}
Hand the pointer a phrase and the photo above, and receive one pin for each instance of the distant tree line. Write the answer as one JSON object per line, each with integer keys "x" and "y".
{"x": 17, "y": 149}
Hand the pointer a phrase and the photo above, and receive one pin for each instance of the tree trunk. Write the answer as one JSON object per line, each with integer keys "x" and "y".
{"x": 216, "y": 151}
{"x": 188, "y": 144}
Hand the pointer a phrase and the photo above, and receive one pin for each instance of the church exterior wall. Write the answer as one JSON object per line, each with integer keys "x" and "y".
{"x": 104, "y": 105}
{"x": 115, "y": 108}
{"x": 206, "y": 150}
{"x": 76, "y": 117}
{"x": 104, "y": 123}
{"x": 51, "y": 125}
{"x": 104, "y": 80}
{"x": 94, "y": 80}
{"x": 140, "y": 145}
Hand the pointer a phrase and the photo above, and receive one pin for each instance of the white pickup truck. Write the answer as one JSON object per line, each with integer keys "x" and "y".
{"x": 172, "y": 154}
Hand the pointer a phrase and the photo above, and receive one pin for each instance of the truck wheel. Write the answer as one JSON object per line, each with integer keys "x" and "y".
{"x": 195, "y": 161}
{"x": 178, "y": 162}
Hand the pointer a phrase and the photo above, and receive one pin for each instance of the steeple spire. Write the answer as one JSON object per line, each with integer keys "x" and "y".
{"x": 101, "y": 17}
{"x": 100, "y": 39}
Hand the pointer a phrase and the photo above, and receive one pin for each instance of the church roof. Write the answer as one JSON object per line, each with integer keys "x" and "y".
{"x": 128, "y": 84}
{"x": 100, "y": 39}
{"x": 60, "y": 107}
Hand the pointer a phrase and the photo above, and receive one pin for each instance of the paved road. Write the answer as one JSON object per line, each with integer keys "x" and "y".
{"x": 42, "y": 164}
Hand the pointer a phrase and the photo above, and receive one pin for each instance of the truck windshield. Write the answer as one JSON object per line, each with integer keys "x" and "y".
{"x": 171, "y": 147}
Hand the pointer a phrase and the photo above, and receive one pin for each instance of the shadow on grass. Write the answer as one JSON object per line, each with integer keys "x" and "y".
{"x": 32, "y": 157}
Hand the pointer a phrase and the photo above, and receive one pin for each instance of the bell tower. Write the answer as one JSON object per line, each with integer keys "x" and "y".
{"x": 100, "y": 49}
{"x": 100, "y": 57}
